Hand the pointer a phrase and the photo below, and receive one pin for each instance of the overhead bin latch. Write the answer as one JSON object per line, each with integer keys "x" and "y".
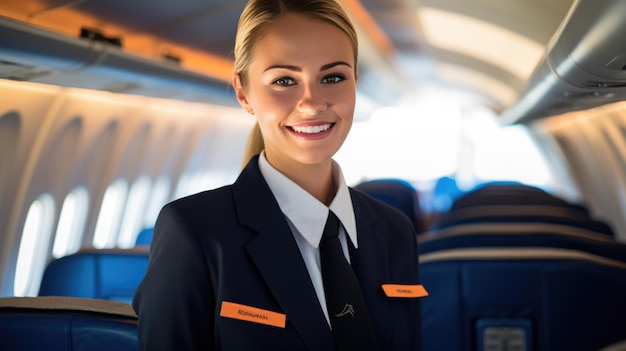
{"x": 96, "y": 35}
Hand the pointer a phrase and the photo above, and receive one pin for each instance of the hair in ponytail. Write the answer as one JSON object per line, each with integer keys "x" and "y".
{"x": 254, "y": 146}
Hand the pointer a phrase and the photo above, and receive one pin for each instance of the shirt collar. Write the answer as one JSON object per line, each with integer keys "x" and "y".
{"x": 307, "y": 213}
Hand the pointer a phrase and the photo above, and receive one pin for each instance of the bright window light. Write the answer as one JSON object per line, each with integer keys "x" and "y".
{"x": 71, "y": 223}
{"x": 506, "y": 153}
{"x": 158, "y": 197}
{"x": 135, "y": 207}
{"x": 183, "y": 188}
{"x": 33, "y": 252}
{"x": 416, "y": 144}
{"x": 110, "y": 214}
{"x": 434, "y": 139}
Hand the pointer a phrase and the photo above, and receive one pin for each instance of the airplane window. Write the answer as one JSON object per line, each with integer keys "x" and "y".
{"x": 71, "y": 223}
{"x": 33, "y": 249}
{"x": 110, "y": 214}
{"x": 158, "y": 197}
{"x": 136, "y": 204}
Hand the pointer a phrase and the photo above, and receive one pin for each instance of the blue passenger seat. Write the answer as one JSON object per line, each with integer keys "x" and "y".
{"x": 397, "y": 193}
{"x": 111, "y": 274}
{"x": 144, "y": 237}
{"x": 445, "y": 192}
{"x": 533, "y": 298}
{"x": 66, "y": 324}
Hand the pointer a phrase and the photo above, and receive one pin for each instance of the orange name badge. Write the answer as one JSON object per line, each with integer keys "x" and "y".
{"x": 407, "y": 291}
{"x": 252, "y": 314}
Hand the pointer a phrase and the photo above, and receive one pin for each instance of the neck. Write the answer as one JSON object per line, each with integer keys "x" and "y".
{"x": 316, "y": 179}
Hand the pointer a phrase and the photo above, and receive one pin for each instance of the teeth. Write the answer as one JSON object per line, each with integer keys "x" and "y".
{"x": 311, "y": 129}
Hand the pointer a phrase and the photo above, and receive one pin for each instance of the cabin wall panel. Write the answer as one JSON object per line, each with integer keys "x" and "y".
{"x": 604, "y": 186}
{"x": 25, "y": 109}
{"x": 564, "y": 184}
{"x": 594, "y": 145}
{"x": 610, "y": 127}
{"x": 107, "y": 119}
{"x": 58, "y": 139}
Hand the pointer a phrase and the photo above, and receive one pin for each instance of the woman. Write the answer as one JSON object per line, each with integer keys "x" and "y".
{"x": 239, "y": 267}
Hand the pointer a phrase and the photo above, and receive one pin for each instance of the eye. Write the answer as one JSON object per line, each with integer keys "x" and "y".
{"x": 333, "y": 79}
{"x": 284, "y": 81}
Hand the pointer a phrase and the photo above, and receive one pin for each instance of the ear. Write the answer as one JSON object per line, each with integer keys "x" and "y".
{"x": 241, "y": 94}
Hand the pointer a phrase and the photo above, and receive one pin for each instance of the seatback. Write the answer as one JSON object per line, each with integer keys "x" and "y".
{"x": 397, "y": 193}
{"x": 512, "y": 194}
{"x": 521, "y": 234}
{"x": 521, "y": 214}
{"x": 504, "y": 298}
{"x": 144, "y": 238}
{"x": 445, "y": 192}
{"x": 66, "y": 324}
{"x": 111, "y": 274}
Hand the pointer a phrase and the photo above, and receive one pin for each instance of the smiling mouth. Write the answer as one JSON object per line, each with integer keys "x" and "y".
{"x": 311, "y": 129}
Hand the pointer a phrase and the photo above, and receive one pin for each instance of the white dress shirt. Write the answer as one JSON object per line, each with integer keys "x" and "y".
{"x": 307, "y": 217}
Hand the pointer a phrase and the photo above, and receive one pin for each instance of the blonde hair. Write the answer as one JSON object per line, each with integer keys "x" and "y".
{"x": 257, "y": 15}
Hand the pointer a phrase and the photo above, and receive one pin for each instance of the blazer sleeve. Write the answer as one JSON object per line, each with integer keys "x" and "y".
{"x": 175, "y": 300}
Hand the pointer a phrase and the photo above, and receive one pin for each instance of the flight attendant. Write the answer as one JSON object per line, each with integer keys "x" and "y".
{"x": 288, "y": 257}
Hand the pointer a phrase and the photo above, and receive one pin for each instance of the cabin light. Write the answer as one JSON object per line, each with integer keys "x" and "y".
{"x": 618, "y": 63}
{"x": 478, "y": 39}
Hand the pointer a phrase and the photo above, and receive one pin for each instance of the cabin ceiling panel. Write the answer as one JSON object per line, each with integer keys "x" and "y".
{"x": 501, "y": 41}
{"x": 514, "y": 15}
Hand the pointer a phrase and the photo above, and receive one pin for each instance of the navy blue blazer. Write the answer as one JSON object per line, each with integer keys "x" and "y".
{"x": 233, "y": 245}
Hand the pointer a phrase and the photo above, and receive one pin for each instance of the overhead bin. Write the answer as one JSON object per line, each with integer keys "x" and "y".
{"x": 584, "y": 65}
{"x": 29, "y": 53}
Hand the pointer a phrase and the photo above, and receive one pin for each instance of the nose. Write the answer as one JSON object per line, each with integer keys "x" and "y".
{"x": 312, "y": 101}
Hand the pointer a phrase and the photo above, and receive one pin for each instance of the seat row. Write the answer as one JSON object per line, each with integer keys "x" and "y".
{"x": 532, "y": 284}
{"x": 510, "y": 266}
{"x": 59, "y": 323}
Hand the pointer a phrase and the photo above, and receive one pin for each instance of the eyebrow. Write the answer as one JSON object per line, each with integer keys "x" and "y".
{"x": 298, "y": 69}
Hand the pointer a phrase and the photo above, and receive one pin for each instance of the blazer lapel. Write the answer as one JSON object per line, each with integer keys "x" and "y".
{"x": 371, "y": 265}
{"x": 277, "y": 256}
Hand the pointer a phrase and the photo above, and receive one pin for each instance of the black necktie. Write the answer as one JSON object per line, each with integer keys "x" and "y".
{"x": 349, "y": 319}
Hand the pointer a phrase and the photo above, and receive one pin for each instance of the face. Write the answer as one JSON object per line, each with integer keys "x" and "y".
{"x": 302, "y": 90}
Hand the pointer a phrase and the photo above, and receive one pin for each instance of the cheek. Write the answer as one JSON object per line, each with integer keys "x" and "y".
{"x": 274, "y": 102}
{"x": 345, "y": 104}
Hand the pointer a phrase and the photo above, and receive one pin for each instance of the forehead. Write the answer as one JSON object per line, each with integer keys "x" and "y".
{"x": 293, "y": 37}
